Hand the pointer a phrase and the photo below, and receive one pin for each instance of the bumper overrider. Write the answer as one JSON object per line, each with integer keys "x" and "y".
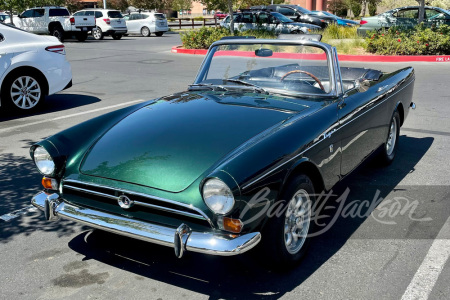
{"x": 182, "y": 239}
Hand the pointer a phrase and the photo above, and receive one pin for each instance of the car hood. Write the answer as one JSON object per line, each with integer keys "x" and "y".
{"x": 169, "y": 143}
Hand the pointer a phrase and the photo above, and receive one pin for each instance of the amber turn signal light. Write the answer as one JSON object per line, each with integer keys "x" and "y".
{"x": 49, "y": 183}
{"x": 232, "y": 225}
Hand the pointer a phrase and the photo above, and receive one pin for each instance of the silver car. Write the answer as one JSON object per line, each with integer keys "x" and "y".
{"x": 268, "y": 20}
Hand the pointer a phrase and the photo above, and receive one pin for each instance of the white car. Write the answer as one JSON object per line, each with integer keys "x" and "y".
{"x": 147, "y": 23}
{"x": 31, "y": 67}
{"x": 109, "y": 22}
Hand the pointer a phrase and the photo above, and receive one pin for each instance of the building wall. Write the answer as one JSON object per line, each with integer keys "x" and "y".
{"x": 311, "y": 4}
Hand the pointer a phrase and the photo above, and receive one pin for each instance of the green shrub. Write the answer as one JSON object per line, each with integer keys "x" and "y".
{"x": 205, "y": 36}
{"x": 416, "y": 41}
{"x": 334, "y": 31}
{"x": 171, "y": 19}
{"x": 356, "y": 7}
{"x": 372, "y": 8}
{"x": 199, "y": 18}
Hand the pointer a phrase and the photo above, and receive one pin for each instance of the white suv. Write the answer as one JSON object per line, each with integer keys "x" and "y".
{"x": 109, "y": 22}
{"x": 146, "y": 23}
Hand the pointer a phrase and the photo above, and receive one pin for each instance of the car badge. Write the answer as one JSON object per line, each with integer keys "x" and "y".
{"x": 125, "y": 202}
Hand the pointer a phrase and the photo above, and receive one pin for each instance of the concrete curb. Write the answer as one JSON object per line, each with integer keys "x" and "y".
{"x": 345, "y": 57}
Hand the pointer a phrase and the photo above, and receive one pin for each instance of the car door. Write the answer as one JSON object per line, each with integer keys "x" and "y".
{"x": 5, "y": 58}
{"x": 408, "y": 17}
{"x": 361, "y": 122}
{"x": 132, "y": 22}
{"x": 25, "y": 19}
{"x": 39, "y": 21}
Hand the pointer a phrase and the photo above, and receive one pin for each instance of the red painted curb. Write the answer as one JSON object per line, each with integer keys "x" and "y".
{"x": 345, "y": 57}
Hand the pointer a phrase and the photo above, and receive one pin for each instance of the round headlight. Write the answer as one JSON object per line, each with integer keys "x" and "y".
{"x": 43, "y": 161}
{"x": 218, "y": 196}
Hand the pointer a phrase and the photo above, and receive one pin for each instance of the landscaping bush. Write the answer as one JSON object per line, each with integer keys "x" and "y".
{"x": 205, "y": 36}
{"x": 417, "y": 41}
{"x": 334, "y": 31}
{"x": 199, "y": 18}
{"x": 355, "y": 7}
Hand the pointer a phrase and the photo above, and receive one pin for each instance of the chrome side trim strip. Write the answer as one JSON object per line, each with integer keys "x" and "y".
{"x": 201, "y": 214}
{"x": 208, "y": 242}
{"x": 319, "y": 141}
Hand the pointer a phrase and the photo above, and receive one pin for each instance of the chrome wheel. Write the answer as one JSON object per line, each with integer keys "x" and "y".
{"x": 392, "y": 137}
{"x": 97, "y": 33}
{"x": 25, "y": 92}
{"x": 297, "y": 221}
{"x": 145, "y": 31}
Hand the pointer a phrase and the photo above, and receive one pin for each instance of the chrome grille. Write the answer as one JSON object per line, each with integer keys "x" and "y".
{"x": 110, "y": 195}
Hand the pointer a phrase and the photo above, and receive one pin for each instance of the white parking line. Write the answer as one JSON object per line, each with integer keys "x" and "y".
{"x": 69, "y": 116}
{"x": 426, "y": 276}
{"x": 18, "y": 213}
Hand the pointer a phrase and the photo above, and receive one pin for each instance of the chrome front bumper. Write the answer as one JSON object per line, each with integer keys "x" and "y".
{"x": 181, "y": 239}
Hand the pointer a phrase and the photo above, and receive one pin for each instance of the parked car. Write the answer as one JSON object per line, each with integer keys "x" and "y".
{"x": 268, "y": 20}
{"x": 31, "y": 67}
{"x": 297, "y": 14}
{"x": 4, "y": 17}
{"x": 56, "y": 21}
{"x": 108, "y": 21}
{"x": 405, "y": 17}
{"x": 339, "y": 21}
{"x": 264, "y": 121}
{"x": 147, "y": 23}
{"x": 220, "y": 15}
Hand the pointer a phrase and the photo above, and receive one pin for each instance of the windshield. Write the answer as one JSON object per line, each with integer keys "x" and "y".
{"x": 114, "y": 14}
{"x": 296, "y": 70}
{"x": 302, "y": 10}
{"x": 281, "y": 17}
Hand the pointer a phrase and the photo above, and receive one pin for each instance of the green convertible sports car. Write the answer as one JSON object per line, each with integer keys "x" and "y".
{"x": 237, "y": 159}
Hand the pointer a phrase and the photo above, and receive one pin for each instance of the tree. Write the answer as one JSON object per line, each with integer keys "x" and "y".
{"x": 14, "y": 6}
{"x": 178, "y": 5}
{"x": 373, "y": 6}
{"x": 421, "y": 10}
{"x": 151, "y": 4}
{"x": 355, "y": 6}
{"x": 338, "y": 7}
{"x": 121, "y": 5}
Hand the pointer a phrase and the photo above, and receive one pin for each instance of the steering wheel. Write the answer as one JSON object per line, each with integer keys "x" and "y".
{"x": 303, "y": 72}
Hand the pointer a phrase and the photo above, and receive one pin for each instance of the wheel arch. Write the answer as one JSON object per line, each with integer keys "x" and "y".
{"x": 54, "y": 24}
{"x": 21, "y": 69}
{"x": 308, "y": 168}
{"x": 401, "y": 111}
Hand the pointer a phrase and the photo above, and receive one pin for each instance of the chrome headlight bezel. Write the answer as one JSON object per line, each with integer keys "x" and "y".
{"x": 44, "y": 161}
{"x": 218, "y": 196}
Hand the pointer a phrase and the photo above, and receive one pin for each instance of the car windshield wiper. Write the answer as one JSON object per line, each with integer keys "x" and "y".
{"x": 254, "y": 86}
{"x": 210, "y": 86}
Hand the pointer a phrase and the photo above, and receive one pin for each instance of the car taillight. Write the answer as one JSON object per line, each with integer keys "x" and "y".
{"x": 362, "y": 22}
{"x": 57, "y": 49}
{"x": 107, "y": 21}
{"x": 72, "y": 21}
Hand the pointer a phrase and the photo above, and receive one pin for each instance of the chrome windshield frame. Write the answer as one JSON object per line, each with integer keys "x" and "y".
{"x": 333, "y": 72}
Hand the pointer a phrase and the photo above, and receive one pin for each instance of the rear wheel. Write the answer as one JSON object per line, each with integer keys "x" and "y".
{"x": 145, "y": 31}
{"x": 285, "y": 237}
{"x": 117, "y": 36}
{"x": 58, "y": 33}
{"x": 159, "y": 33}
{"x": 82, "y": 36}
{"x": 97, "y": 33}
{"x": 24, "y": 91}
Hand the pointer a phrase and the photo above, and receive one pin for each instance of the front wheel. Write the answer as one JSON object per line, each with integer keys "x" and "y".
{"x": 285, "y": 239}
{"x": 159, "y": 33}
{"x": 23, "y": 91}
{"x": 389, "y": 149}
{"x": 116, "y": 36}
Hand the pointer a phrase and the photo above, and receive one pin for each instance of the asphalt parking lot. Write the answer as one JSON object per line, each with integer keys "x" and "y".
{"x": 386, "y": 254}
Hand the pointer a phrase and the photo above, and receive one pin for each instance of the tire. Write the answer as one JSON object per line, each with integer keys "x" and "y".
{"x": 116, "y": 36}
{"x": 16, "y": 99}
{"x": 145, "y": 31}
{"x": 81, "y": 37}
{"x": 281, "y": 250}
{"x": 58, "y": 32}
{"x": 389, "y": 148}
{"x": 97, "y": 33}
{"x": 159, "y": 33}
